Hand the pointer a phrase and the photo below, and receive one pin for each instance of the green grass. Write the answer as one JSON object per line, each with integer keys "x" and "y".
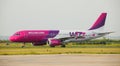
{"x": 15, "y": 49}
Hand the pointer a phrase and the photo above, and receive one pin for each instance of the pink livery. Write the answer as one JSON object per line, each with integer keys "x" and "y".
{"x": 60, "y": 37}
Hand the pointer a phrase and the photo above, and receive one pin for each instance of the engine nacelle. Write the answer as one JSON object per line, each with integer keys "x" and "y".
{"x": 54, "y": 42}
{"x": 39, "y": 43}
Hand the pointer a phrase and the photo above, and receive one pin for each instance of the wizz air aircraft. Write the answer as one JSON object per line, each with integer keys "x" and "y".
{"x": 60, "y": 37}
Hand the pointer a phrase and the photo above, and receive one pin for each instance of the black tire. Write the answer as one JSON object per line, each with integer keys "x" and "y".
{"x": 52, "y": 46}
{"x": 22, "y": 46}
{"x": 63, "y": 46}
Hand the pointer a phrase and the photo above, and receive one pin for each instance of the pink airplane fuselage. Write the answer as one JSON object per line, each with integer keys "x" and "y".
{"x": 33, "y": 35}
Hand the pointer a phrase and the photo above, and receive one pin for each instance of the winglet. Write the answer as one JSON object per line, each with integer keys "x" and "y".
{"x": 99, "y": 22}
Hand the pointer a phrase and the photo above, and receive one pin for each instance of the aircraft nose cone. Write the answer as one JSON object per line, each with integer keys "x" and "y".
{"x": 12, "y": 39}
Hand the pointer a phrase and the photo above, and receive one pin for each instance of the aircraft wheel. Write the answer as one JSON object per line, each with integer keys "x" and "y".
{"x": 63, "y": 46}
{"x": 52, "y": 46}
{"x": 22, "y": 46}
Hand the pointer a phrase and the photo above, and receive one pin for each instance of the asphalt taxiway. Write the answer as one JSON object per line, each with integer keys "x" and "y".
{"x": 61, "y": 60}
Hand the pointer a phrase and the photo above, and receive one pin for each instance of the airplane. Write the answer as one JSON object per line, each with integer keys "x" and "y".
{"x": 60, "y": 37}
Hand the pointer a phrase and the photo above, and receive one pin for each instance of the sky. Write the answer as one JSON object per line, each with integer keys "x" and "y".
{"x": 18, "y": 15}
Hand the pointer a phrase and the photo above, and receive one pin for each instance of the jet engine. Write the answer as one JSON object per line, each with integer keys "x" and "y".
{"x": 39, "y": 43}
{"x": 54, "y": 42}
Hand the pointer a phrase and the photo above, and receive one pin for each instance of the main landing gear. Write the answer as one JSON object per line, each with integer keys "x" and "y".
{"x": 63, "y": 45}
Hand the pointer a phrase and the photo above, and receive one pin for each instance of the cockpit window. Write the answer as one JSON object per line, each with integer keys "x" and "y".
{"x": 17, "y": 34}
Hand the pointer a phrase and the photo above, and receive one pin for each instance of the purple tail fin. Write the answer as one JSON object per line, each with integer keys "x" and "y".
{"x": 99, "y": 22}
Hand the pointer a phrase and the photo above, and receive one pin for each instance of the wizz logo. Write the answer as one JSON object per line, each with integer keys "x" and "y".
{"x": 76, "y": 34}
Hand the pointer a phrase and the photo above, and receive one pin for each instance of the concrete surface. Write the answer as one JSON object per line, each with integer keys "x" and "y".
{"x": 61, "y": 60}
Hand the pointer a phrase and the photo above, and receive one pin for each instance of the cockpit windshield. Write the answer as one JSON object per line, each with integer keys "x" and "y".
{"x": 16, "y": 34}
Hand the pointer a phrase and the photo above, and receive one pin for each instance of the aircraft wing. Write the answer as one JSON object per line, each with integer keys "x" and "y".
{"x": 65, "y": 38}
{"x": 105, "y": 33}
